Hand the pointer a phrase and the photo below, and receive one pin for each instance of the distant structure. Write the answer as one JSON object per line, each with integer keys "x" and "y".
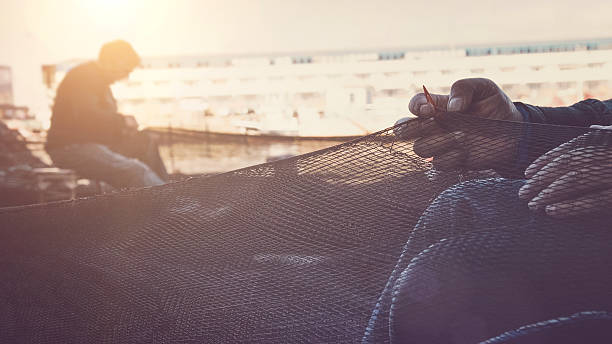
{"x": 370, "y": 88}
{"x": 16, "y": 117}
{"x": 6, "y": 85}
{"x": 8, "y": 110}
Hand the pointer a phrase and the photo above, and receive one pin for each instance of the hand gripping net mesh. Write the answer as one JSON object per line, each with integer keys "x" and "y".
{"x": 317, "y": 248}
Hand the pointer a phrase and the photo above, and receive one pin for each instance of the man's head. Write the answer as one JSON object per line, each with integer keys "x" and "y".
{"x": 117, "y": 59}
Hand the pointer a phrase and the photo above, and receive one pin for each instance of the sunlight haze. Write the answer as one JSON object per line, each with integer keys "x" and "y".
{"x": 33, "y": 33}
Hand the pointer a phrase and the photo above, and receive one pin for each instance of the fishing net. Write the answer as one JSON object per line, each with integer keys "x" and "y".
{"x": 361, "y": 242}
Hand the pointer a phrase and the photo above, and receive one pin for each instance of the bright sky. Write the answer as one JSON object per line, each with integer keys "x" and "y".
{"x": 48, "y": 31}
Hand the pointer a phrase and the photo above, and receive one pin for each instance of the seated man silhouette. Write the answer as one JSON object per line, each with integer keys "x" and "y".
{"x": 88, "y": 135}
{"x": 506, "y": 258}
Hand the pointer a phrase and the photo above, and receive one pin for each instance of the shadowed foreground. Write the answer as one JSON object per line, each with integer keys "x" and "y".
{"x": 297, "y": 250}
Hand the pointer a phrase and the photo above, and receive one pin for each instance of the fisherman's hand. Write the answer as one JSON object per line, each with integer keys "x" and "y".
{"x": 574, "y": 178}
{"x": 457, "y": 149}
{"x": 130, "y": 122}
{"x": 477, "y": 96}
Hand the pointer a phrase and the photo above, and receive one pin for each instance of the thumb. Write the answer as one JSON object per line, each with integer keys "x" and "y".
{"x": 461, "y": 95}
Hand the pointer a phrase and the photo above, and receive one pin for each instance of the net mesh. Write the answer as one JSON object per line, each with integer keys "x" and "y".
{"x": 365, "y": 241}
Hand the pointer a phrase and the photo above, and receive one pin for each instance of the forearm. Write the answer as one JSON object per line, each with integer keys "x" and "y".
{"x": 582, "y": 114}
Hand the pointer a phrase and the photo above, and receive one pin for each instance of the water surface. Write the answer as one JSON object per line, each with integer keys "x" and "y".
{"x": 215, "y": 155}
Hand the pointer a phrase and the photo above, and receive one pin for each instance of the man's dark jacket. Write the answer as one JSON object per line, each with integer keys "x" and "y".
{"x": 582, "y": 114}
{"x": 85, "y": 110}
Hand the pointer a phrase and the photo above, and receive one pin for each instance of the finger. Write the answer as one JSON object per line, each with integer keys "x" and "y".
{"x": 403, "y": 120}
{"x": 545, "y": 176}
{"x": 449, "y": 161}
{"x": 602, "y": 135}
{"x": 419, "y": 106}
{"x": 562, "y": 164}
{"x": 594, "y": 159}
{"x": 400, "y": 125}
{"x": 570, "y": 186}
{"x": 597, "y": 202}
{"x": 412, "y": 128}
{"x": 547, "y": 158}
{"x": 584, "y": 141}
{"x": 602, "y": 127}
{"x": 437, "y": 144}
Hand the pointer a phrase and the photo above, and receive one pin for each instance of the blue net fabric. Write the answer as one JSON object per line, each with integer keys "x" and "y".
{"x": 330, "y": 246}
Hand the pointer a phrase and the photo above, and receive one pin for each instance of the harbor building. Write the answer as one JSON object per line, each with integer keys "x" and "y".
{"x": 6, "y": 86}
{"x": 344, "y": 93}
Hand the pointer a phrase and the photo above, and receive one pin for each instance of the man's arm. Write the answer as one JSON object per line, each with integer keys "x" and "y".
{"x": 582, "y": 114}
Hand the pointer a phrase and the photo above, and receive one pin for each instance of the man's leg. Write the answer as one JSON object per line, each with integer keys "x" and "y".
{"x": 494, "y": 280}
{"x": 141, "y": 146}
{"x": 96, "y": 161}
{"x": 478, "y": 244}
{"x": 460, "y": 209}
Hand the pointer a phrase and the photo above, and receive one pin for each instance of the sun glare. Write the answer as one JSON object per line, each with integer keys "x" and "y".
{"x": 113, "y": 16}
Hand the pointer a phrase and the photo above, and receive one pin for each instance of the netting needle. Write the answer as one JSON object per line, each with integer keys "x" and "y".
{"x": 429, "y": 98}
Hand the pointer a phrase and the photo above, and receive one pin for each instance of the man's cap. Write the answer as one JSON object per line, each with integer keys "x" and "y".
{"x": 119, "y": 50}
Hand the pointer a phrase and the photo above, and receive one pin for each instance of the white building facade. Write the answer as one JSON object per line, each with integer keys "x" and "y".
{"x": 345, "y": 93}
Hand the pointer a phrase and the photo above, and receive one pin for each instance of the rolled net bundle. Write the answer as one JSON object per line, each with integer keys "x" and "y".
{"x": 362, "y": 242}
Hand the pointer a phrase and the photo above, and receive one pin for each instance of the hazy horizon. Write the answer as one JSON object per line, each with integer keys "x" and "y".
{"x": 33, "y": 32}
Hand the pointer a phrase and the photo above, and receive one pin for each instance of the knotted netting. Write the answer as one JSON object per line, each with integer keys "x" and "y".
{"x": 362, "y": 242}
